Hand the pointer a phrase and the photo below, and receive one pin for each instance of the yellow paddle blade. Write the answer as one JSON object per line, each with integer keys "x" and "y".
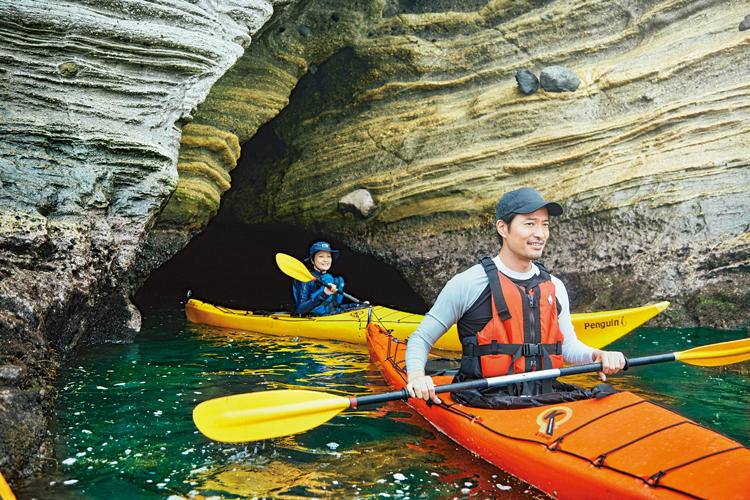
{"x": 266, "y": 414}
{"x": 293, "y": 267}
{"x": 723, "y": 353}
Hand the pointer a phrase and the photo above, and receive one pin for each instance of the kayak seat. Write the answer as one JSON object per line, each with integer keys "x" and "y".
{"x": 511, "y": 396}
{"x": 436, "y": 367}
{"x": 262, "y": 312}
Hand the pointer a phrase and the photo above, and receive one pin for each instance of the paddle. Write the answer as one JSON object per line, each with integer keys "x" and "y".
{"x": 269, "y": 414}
{"x": 297, "y": 270}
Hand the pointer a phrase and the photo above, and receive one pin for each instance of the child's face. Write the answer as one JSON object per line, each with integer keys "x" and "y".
{"x": 322, "y": 260}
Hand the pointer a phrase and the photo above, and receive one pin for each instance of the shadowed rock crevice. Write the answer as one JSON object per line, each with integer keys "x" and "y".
{"x": 321, "y": 96}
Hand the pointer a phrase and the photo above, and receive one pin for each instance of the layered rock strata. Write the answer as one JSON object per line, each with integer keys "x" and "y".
{"x": 418, "y": 105}
{"x": 94, "y": 97}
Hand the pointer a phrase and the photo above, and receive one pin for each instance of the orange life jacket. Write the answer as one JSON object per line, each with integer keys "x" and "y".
{"x": 523, "y": 333}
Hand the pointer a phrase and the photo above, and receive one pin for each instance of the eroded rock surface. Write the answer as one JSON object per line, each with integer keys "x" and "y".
{"x": 94, "y": 96}
{"x": 418, "y": 105}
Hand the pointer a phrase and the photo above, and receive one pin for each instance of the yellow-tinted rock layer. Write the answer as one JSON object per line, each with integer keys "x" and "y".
{"x": 421, "y": 109}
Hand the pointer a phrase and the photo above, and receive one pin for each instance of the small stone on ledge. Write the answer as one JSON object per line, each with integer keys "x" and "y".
{"x": 68, "y": 69}
{"x": 359, "y": 202}
{"x": 558, "y": 79}
{"x": 527, "y": 81}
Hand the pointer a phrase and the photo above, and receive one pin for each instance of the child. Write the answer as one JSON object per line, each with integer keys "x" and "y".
{"x": 312, "y": 297}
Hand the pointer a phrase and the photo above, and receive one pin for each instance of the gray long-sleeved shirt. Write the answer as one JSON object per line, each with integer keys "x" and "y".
{"x": 461, "y": 292}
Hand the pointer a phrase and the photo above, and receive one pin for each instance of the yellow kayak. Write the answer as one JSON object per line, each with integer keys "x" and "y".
{"x": 594, "y": 329}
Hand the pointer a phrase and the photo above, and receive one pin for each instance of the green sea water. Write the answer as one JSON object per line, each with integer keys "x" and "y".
{"x": 125, "y": 431}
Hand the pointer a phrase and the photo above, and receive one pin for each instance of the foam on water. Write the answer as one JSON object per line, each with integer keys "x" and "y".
{"x": 124, "y": 416}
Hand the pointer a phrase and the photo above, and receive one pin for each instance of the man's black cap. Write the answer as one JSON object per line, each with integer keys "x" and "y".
{"x": 524, "y": 201}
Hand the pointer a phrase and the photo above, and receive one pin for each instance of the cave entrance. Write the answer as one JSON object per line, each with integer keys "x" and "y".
{"x": 233, "y": 264}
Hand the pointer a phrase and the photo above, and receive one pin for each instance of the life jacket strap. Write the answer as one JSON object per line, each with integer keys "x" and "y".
{"x": 528, "y": 350}
{"x": 495, "y": 288}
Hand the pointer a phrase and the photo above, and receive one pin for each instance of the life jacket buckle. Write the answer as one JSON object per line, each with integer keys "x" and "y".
{"x": 532, "y": 350}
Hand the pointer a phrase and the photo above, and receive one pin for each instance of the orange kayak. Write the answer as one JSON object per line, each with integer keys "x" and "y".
{"x": 620, "y": 446}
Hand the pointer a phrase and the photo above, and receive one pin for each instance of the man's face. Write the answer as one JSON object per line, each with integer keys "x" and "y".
{"x": 322, "y": 261}
{"x": 526, "y": 236}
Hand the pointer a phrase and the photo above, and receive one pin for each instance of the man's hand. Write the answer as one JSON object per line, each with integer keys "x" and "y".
{"x": 421, "y": 386}
{"x": 330, "y": 289}
{"x": 612, "y": 362}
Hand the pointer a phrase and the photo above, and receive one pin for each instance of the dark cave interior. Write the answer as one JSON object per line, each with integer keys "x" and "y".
{"x": 234, "y": 265}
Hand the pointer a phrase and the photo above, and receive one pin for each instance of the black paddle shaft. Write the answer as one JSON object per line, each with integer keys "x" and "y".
{"x": 376, "y": 399}
{"x": 353, "y": 299}
{"x": 596, "y": 367}
{"x": 481, "y": 383}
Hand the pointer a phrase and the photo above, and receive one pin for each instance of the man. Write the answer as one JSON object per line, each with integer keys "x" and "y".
{"x": 511, "y": 314}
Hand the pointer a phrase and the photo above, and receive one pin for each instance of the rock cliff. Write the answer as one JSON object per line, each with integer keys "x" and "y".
{"x": 124, "y": 122}
{"x": 94, "y": 96}
{"x": 417, "y": 104}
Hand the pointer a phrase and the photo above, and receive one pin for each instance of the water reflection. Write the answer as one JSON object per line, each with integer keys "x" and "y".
{"x": 125, "y": 426}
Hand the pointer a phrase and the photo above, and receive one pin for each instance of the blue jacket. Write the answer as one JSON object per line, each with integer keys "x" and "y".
{"x": 311, "y": 299}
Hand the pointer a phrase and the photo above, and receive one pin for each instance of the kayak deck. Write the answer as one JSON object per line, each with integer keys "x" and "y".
{"x": 349, "y": 326}
{"x": 595, "y": 329}
{"x": 620, "y": 446}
